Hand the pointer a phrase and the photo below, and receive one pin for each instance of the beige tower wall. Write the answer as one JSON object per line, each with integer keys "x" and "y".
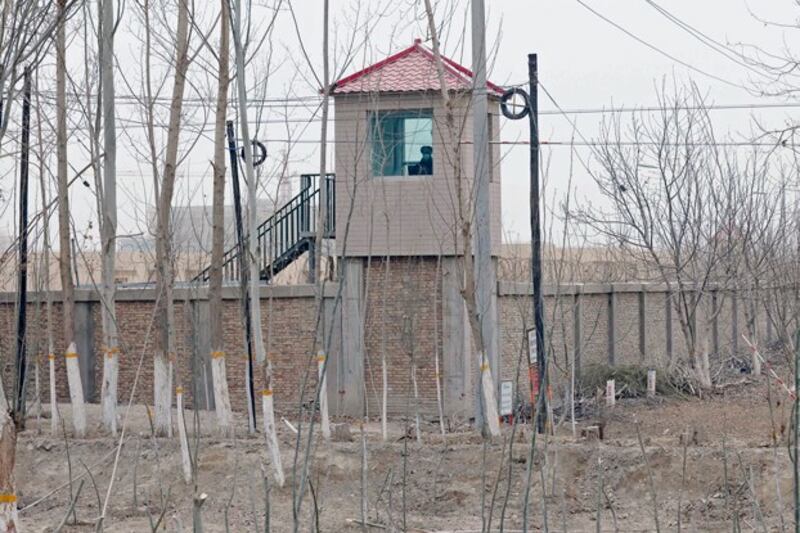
{"x": 410, "y": 215}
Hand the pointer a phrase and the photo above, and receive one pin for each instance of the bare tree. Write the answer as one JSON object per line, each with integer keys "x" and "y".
{"x": 669, "y": 203}
{"x": 222, "y": 401}
{"x": 165, "y": 324}
{"x": 65, "y": 248}
{"x": 108, "y": 226}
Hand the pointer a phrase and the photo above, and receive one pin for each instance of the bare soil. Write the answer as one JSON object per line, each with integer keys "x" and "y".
{"x": 736, "y": 470}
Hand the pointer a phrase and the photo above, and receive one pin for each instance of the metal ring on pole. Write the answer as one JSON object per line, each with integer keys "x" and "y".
{"x": 507, "y": 111}
{"x": 262, "y": 156}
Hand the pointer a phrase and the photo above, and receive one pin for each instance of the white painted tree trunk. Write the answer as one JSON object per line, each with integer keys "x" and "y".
{"x": 489, "y": 397}
{"x": 54, "y": 416}
{"x": 3, "y": 401}
{"x": 325, "y": 423}
{"x": 9, "y": 521}
{"x": 271, "y": 435}
{"x": 439, "y": 403}
{"x": 186, "y": 460}
{"x": 109, "y": 388}
{"x": 75, "y": 390}
{"x": 416, "y": 401}
{"x": 37, "y": 403}
{"x": 384, "y": 398}
{"x": 703, "y": 365}
{"x": 756, "y": 366}
{"x": 162, "y": 399}
{"x": 222, "y": 400}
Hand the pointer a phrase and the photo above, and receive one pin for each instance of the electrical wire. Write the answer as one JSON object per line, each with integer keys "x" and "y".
{"x": 709, "y": 41}
{"x": 659, "y": 50}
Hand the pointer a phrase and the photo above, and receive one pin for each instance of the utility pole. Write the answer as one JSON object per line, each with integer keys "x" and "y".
{"x": 485, "y": 284}
{"x": 539, "y": 385}
{"x": 243, "y": 276}
{"x": 536, "y": 238}
{"x": 22, "y": 274}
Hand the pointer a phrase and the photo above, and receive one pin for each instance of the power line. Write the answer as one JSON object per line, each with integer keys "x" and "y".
{"x": 708, "y": 41}
{"x": 659, "y": 50}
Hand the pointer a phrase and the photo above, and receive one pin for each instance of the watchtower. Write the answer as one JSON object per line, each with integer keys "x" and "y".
{"x": 404, "y": 188}
{"x": 398, "y": 181}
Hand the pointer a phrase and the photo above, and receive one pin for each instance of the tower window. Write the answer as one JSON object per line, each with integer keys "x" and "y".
{"x": 402, "y": 143}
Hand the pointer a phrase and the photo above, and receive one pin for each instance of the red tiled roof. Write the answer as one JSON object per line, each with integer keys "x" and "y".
{"x": 413, "y": 69}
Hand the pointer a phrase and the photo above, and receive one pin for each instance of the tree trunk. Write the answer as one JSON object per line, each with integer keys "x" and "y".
{"x": 186, "y": 460}
{"x": 65, "y": 250}
{"x": 8, "y": 496}
{"x": 108, "y": 227}
{"x": 325, "y": 423}
{"x": 165, "y": 337}
{"x": 488, "y": 404}
{"x": 75, "y": 390}
{"x": 222, "y": 402}
{"x": 268, "y": 410}
{"x": 51, "y": 353}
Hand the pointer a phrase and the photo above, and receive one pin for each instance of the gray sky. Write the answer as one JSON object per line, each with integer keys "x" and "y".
{"x": 584, "y": 62}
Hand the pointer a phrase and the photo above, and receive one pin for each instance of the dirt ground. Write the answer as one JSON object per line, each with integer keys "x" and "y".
{"x": 727, "y": 471}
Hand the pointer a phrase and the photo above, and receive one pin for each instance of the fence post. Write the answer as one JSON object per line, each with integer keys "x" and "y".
{"x": 577, "y": 330}
{"x": 642, "y": 323}
{"x": 715, "y": 320}
{"x": 611, "y": 325}
{"x": 668, "y": 323}
{"x": 734, "y": 323}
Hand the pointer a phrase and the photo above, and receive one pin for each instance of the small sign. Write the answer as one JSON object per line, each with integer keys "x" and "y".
{"x": 532, "y": 346}
{"x": 611, "y": 394}
{"x": 506, "y": 398}
{"x": 651, "y": 383}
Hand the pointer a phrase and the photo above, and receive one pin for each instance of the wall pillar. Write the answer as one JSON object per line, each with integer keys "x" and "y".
{"x": 577, "y": 332}
{"x": 330, "y": 337}
{"x": 643, "y": 324}
{"x": 668, "y": 323}
{"x": 715, "y": 321}
{"x": 84, "y": 343}
{"x": 199, "y": 338}
{"x": 734, "y": 323}
{"x": 456, "y": 343}
{"x": 611, "y": 327}
{"x": 350, "y": 369}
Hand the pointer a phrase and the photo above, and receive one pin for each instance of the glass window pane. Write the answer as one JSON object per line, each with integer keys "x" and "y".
{"x": 402, "y": 143}
{"x": 418, "y": 140}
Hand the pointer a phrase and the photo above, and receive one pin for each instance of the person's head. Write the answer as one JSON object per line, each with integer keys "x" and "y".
{"x": 426, "y": 151}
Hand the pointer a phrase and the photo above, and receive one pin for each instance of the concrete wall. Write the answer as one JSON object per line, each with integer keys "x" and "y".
{"x": 618, "y": 323}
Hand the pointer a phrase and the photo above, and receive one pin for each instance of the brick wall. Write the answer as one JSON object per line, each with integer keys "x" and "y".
{"x": 402, "y": 319}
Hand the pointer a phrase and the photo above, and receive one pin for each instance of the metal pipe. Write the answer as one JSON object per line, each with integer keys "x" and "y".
{"x": 536, "y": 237}
{"x": 22, "y": 274}
{"x": 243, "y": 275}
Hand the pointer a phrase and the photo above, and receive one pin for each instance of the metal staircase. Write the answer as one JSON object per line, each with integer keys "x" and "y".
{"x": 287, "y": 234}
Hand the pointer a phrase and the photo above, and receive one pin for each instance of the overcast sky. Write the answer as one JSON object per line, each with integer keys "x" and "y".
{"x": 584, "y": 62}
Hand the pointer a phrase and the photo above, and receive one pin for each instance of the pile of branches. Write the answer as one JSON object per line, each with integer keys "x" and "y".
{"x": 631, "y": 381}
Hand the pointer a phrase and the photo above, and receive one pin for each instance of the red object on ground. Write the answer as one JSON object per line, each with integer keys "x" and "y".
{"x": 533, "y": 376}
